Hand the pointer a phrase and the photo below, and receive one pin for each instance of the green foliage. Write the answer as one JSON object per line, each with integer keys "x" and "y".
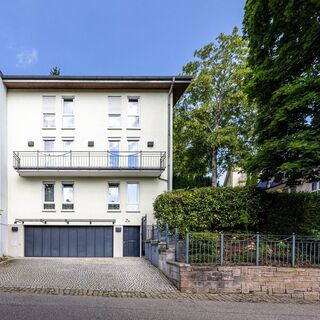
{"x": 213, "y": 121}
{"x": 284, "y": 51}
{"x": 239, "y": 209}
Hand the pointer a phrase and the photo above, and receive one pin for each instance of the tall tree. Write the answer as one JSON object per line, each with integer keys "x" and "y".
{"x": 284, "y": 53}
{"x": 212, "y": 122}
{"x": 55, "y": 71}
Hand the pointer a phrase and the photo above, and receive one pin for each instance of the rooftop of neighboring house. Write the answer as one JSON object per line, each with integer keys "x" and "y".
{"x": 178, "y": 84}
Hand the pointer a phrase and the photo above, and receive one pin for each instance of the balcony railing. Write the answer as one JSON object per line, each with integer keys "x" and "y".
{"x": 89, "y": 160}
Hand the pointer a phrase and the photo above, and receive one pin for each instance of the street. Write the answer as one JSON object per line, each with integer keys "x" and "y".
{"x": 20, "y": 306}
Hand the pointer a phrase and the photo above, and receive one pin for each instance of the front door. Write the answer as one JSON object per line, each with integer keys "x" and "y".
{"x": 131, "y": 241}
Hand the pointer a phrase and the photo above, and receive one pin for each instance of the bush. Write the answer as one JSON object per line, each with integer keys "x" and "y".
{"x": 241, "y": 209}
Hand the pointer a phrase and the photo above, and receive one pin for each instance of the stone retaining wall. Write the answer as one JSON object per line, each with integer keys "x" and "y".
{"x": 294, "y": 282}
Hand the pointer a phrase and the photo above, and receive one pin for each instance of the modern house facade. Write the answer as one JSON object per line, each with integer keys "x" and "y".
{"x": 82, "y": 160}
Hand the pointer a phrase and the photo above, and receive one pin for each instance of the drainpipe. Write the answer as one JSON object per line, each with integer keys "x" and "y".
{"x": 169, "y": 156}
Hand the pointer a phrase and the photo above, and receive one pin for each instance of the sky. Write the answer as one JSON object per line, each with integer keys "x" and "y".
{"x": 110, "y": 37}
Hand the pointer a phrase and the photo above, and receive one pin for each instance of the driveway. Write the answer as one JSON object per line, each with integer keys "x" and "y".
{"x": 109, "y": 274}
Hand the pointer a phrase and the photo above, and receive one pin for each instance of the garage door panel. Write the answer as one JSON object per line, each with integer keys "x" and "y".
{"x": 68, "y": 241}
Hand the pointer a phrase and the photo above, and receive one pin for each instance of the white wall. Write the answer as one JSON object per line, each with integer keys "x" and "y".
{"x": 25, "y": 124}
{"x": 3, "y": 169}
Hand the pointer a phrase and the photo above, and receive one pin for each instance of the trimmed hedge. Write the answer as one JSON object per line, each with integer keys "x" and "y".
{"x": 241, "y": 209}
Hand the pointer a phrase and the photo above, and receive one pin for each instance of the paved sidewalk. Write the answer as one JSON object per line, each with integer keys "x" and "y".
{"x": 107, "y": 274}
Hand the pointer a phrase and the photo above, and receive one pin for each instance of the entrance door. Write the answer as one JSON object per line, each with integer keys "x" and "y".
{"x": 131, "y": 241}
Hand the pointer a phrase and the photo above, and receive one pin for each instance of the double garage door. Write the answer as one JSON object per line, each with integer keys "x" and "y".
{"x": 41, "y": 241}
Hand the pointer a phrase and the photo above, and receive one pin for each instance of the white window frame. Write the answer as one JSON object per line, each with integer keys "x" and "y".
{"x": 134, "y": 115}
{"x": 317, "y": 189}
{"x": 136, "y": 153}
{"x": 68, "y": 115}
{"x": 44, "y": 202}
{"x": 133, "y": 207}
{"x": 49, "y": 113}
{"x": 63, "y": 183}
{"x": 115, "y": 115}
{"x": 110, "y": 204}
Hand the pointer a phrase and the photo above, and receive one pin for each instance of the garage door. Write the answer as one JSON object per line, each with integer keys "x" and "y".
{"x": 68, "y": 241}
{"x": 131, "y": 241}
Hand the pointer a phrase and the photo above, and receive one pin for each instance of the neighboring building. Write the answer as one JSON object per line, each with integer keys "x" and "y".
{"x": 235, "y": 178}
{"x": 82, "y": 160}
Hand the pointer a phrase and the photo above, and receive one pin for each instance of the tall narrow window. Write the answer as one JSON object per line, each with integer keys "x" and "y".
{"x": 113, "y": 196}
{"x": 315, "y": 187}
{"x": 132, "y": 196}
{"x": 67, "y": 144}
{"x": 68, "y": 113}
{"x": 49, "y": 111}
{"x": 133, "y": 154}
{"x": 114, "y": 146}
{"x": 67, "y": 158}
{"x": 133, "y": 120}
{"x": 114, "y": 112}
{"x": 48, "y": 158}
{"x": 67, "y": 196}
{"x": 48, "y": 196}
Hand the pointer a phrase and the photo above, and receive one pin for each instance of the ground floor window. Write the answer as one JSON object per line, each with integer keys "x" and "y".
{"x": 67, "y": 196}
{"x": 113, "y": 196}
{"x": 48, "y": 196}
{"x": 132, "y": 196}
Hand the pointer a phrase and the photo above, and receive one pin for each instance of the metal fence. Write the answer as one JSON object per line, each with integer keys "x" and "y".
{"x": 224, "y": 249}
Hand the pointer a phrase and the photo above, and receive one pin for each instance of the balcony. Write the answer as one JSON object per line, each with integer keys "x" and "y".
{"x": 89, "y": 163}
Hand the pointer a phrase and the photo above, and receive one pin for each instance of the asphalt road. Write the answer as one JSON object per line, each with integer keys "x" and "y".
{"x": 35, "y": 306}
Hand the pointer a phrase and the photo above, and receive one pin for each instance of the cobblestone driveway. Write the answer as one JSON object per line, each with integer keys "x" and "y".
{"x": 111, "y": 274}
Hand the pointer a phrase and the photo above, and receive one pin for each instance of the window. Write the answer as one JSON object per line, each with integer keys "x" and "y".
{"x": 49, "y": 111}
{"x": 114, "y": 153}
{"x": 133, "y": 120}
{"x": 48, "y": 196}
{"x": 315, "y": 186}
{"x": 68, "y": 113}
{"x": 48, "y": 159}
{"x": 67, "y": 196}
{"x": 132, "y": 196}
{"x": 67, "y": 144}
{"x": 114, "y": 112}
{"x": 113, "y": 196}
{"x": 133, "y": 156}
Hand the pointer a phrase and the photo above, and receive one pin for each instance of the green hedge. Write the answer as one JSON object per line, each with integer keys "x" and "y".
{"x": 239, "y": 209}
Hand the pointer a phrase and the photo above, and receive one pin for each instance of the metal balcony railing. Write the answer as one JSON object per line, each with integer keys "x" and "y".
{"x": 89, "y": 160}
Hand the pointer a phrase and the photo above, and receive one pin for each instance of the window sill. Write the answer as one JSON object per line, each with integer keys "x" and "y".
{"x": 114, "y": 211}
{"x": 133, "y": 211}
{"x": 44, "y": 128}
{"x": 133, "y": 128}
{"x": 114, "y": 128}
{"x": 68, "y": 128}
{"x": 67, "y": 210}
{"x": 48, "y": 210}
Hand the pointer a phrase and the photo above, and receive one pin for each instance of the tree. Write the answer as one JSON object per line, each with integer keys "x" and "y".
{"x": 213, "y": 121}
{"x": 284, "y": 53}
{"x": 55, "y": 71}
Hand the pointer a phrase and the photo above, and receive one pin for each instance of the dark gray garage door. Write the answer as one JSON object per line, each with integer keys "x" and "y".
{"x": 68, "y": 241}
{"x": 131, "y": 241}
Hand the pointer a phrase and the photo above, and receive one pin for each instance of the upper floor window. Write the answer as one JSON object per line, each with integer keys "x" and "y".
{"x": 114, "y": 146}
{"x": 67, "y": 144}
{"x": 132, "y": 196}
{"x": 133, "y": 116}
{"x": 114, "y": 112}
{"x": 113, "y": 196}
{"x": 68, "y": 113}
{"x": 48, "y": 196}
{"x": 67, "y": 196}
{"x": 133, "y": 153}
{"x": 315, "y": 186}
{"x": 49, "y": 111}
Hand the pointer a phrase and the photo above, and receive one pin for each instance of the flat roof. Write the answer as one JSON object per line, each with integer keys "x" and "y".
{"x": 179, "y": 83}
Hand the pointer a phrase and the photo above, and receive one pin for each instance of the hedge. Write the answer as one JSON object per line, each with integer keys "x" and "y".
{"x": 239, "y": 209}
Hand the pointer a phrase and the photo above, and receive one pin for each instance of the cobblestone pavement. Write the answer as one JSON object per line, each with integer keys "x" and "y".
{"x": 101, "y": 274}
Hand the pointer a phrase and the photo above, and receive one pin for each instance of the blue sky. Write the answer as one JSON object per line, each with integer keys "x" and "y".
{"x": 110, "y": 37}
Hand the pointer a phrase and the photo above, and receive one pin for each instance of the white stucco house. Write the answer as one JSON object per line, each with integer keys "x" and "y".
{"x": 82, "y": 160}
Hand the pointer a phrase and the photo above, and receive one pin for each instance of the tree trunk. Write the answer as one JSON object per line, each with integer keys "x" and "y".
{"x": 214, "y": 169}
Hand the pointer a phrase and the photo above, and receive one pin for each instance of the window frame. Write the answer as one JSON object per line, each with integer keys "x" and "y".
{"x": 137, "y": 204}
{"x": 138, "y": 114}
{"x": 317, "y": 189}
{"x": 110, "y": 209}
{"x": 115, "y": 115}
{"x": 48, "y": 113}
{"x": 44, "y": 202}
{"x": 64, "y": 183}
{"x": 70, "y": 115}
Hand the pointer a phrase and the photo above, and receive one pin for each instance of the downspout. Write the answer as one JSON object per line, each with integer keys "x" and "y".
{"x": 169, "y": 156}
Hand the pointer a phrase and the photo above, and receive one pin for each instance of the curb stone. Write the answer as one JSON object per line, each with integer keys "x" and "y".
{"x": 237, "y": 297}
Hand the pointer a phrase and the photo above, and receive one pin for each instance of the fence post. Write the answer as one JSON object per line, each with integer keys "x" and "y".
{"x": 293, "y": 255}
{"x": 221, "y": 248}
{"x": 176, "y": 238}
{"x": 187, "y": 249}
{"x": 257, "y": 248}
{"x": 158, "y": 232}
{"x": 167, "y": 235}
{"x": 152, "y": 232}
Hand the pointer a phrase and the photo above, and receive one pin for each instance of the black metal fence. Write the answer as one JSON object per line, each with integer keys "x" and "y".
{"x": 226, "y": 249}
{"x": 89, "y": 160}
